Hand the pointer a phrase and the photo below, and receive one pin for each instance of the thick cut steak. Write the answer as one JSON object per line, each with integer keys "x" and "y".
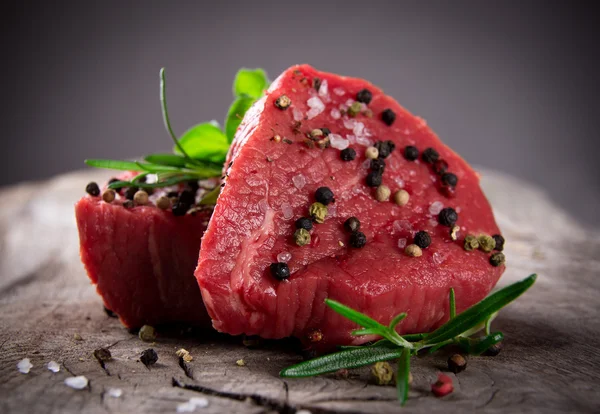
{"x": 273, "y": 174}
{"x": 142, "y": 261}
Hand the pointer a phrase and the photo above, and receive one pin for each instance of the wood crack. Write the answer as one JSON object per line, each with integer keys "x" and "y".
{"x": 259, "y": 400}
{"x": 187, "y": 370}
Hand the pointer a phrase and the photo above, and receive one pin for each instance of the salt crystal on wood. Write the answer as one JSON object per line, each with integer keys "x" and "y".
{"x": 114, "y": 392}
{"x": 24, "y": 366}
{"x": 53, "y": 366}
{"x": 78, "y": 383}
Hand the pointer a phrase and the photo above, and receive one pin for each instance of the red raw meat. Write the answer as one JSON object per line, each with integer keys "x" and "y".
{"x": 142, "y": 261}
{"x": 272, "y": 182}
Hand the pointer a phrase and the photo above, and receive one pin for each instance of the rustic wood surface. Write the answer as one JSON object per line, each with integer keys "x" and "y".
{"x": 550, "y": 362}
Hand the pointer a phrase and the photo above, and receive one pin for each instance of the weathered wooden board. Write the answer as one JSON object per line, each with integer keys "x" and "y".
{"x": 550, "y": 363}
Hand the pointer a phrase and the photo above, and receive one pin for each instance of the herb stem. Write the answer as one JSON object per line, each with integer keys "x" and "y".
{"x": 165, "y": 114}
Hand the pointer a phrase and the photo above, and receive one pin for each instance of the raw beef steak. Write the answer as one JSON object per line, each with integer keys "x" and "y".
{"x": 288, "y": 146}
{"x": 142, "y": 260}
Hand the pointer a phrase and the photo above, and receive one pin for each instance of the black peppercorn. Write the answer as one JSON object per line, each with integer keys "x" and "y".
{"x": 280, "y": 271}
{"x": 457, "y": 363}
{"x": 493, "y": 350}
{"x": 317, "y": 83}
{"x": 499, "y": 242}
{"x": 92, "y": 189}
{"x": 130, "y": 192}
{"x": 447, "y": 217}
{"x": 388, "y": 116}
{"x": 326, "y": 131}
{"x": 374, "y": 179}
{"x": 378, "y": 165}
{"x": 187, "y": 197}
{"x": 422, "y": 239}
{"x": 348, "y": 154}
{"x": 352, "y": 224}
{"x": 385, "y": 148}
{"x": 440, "y": 167}
{"x": 179, "y": 209}
{"x": 102, "y": 355}
{"x": 193, "y": 186}
{"x": 449, "y": 179}
{"x": 364, "y": 96}
{"x": 149, "y": 357}
{"x": 430, "y": 155}
{"x": 304, "y": 223}
{"x": 497, "y": 259}
{"x": 172, "y": 194}
{"x": 324, "y": 195}
{"x": 358, "y": 239}
{"x": 411, "y": 153}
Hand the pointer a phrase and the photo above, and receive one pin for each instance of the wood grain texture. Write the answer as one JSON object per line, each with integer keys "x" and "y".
{"x": 550, "y": 363}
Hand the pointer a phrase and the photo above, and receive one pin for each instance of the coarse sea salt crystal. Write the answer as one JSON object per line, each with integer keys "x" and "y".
{"x": 335, "y": 113}
{"x": 114, "y": 392}
{"x": 457, "y": 209}
{"x": 53, "y": 366}
{"x": 366, "y": 164}
{"x": 324, "y": 88}
{"x": 297, "y": 113}
{"x": 364, "y": 141}
{"x": 351, "y": 138}
{"x": 24, "y": 366}
{"x": 358, "y": 129}
{"x": 438, "y": 258}
{"x": 400, "y": 225}
{"x": 300, "y": 180}
{"x": 191, "y": 405}
{"x": 316, "y": 107}
{"x": 339, "y": 91}
{"x": 284, "y": 257}
{"x": 432, "y": 222}
{"x": 199, "y": 402}
{"x": 436, "y": 207}
{"x": 78, "y": 383}
{"x": 349, "y": 102}
{"x": 402, "y": 243}
{"x": 338, "y": 142}
{"x": 303, "y": 412}
{"x": 399, "y": 182}
{"x": 349, "y": 123}
{"x": 287, "y": 210}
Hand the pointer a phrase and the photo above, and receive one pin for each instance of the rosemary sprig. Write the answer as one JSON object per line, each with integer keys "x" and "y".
{"x": 457, "y": 331}
{"x": 200, "y": 152}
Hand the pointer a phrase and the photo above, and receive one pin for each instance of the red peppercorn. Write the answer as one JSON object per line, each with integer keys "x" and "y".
{"x": 443, "y": 386}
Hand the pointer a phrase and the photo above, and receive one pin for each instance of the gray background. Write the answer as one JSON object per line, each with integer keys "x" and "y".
{"x": 509, "y": 85}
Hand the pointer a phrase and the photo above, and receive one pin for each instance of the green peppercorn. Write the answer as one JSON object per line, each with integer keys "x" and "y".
{"x": 486, "y": 243}
{"x": 471, "y": 243}
{"x": 318, "y": 212}
{"x": 497, "y": 259}
{"x": 383, "y": 374}
{"x": 302, "y": 237}
{"x": 354, "y": 109}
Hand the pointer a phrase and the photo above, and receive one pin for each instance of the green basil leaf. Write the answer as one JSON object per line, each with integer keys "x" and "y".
{"x": 236, "y": 113}
{"x": 115, "y": 165}
{"x": 403, "y": 375}
{"x": 204, "y": 142}
{"x": 479, "y": 312}
{"x": 250, "y": 82}
{"x": 171, "y": 160}
{"x": 355, "y": 316}
{"x": 351, "y": 358}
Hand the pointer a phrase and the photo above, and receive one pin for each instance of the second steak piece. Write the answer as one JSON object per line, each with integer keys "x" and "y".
{"x": 287, "y": 147}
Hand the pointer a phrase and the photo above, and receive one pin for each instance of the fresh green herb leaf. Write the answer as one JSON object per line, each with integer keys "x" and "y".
{"x": 171, "y": 160}
{"x": 396, "y": 320}
{"x": 250, "y": 82}
{"x": 115, "y": 165}
{"x": 355, "y": 316}
{"x": 402, "y": 376}
{"x": 452, "y": 304}
{"x": 236, "y": 113}
{"x": 167, "y": 182}
{"x": 480, "y": 312}
{"x": 211, "y": 196}
{"x": 351, "y": 358}
{"x": 204, "y": 142}
{"x": 478, "y": 346}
